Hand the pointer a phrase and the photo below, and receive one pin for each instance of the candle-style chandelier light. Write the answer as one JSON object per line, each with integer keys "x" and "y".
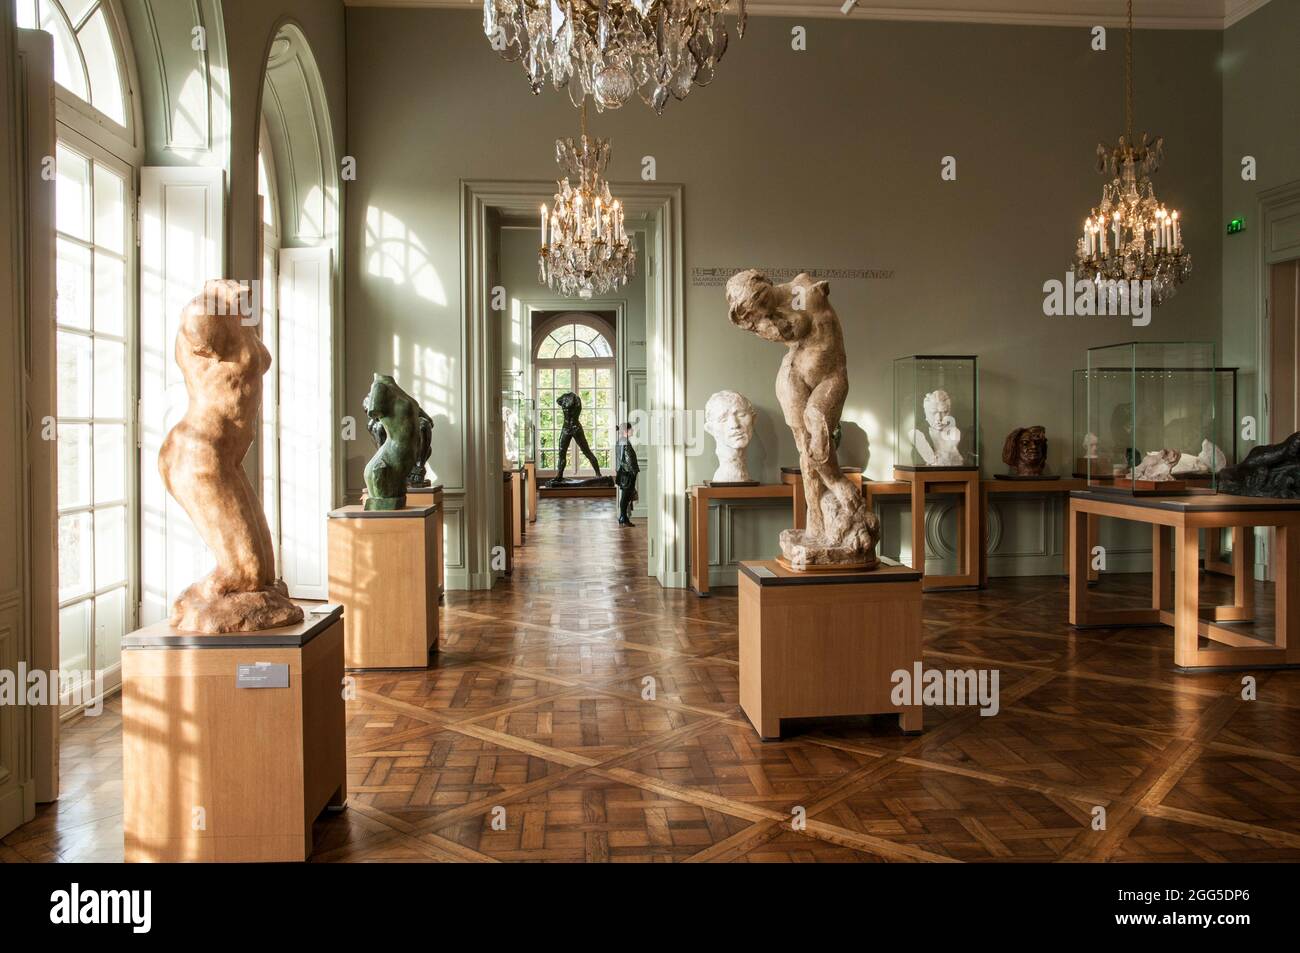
{"x": 585, "y": 248}
{"x": 1131, "y": 236}
{"x": 609, "y": 49}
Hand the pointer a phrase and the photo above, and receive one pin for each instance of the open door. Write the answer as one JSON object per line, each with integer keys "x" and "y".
{"x": 306, "y": 401}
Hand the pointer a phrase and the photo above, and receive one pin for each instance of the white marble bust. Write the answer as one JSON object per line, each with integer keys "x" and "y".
{"x": 729, "y": 419}
{"x": 941, "y": 449}
{"x": 509, "y": 437}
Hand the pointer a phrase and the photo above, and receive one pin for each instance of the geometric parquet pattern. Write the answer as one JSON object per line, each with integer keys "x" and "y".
{"x": 578, "y": 712}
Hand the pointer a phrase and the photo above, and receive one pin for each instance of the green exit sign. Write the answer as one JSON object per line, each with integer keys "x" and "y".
{"x": 1236, "y": 225}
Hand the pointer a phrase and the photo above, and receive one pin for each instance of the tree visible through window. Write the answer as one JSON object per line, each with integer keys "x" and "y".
{"x": 575, "y": 356}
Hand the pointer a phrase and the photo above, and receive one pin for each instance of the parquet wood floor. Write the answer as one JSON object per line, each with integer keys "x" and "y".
{"x": 578, "y": 712}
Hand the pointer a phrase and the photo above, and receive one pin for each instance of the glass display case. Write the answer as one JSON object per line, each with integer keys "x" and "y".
{"x": 1225, "y": 408}
{"x": 936, "y": 412}
{"x": 514, "y": 429}
{"x": 1154, "y": 421}
{"x": 528, "y": 415}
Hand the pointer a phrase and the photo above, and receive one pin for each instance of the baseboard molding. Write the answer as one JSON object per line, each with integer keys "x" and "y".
{"x": 17, "y": 806}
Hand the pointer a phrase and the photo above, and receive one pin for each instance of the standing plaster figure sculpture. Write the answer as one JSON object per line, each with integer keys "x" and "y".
{"x": 729, "y": 418}
{"x": 811, "y": 387}
{"x": 572, "y": 430}
{"x": 509, "y": 437}
{"x": 941, "y": 450}
{"x": 201, "y": 463}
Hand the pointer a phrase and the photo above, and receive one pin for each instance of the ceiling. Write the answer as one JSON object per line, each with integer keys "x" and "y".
{"x": 1149, "y": 14}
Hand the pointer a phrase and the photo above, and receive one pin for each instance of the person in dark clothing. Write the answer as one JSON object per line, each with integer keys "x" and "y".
{"x": 625, "y": 475}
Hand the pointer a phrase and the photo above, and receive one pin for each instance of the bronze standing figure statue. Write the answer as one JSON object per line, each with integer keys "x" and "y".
{"x": 811, "y": 385}
{"x": 419, "y": 476}
{"x": 201, "y": 463}
{"x": 571, "y": 431}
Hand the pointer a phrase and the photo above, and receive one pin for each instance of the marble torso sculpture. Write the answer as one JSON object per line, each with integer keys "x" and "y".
{"x": 811, "y": 387}
{"x": 1210, "y": 460}
{"x": 201, "y": 462}
{"x": 572, "y": 431}
{"x": 941, "y": 449}
{"x": 388, "y": 470}
{"x": 509, "y": 437}
{"x": 1272, "y": 470}
{"x": 1025, "y": 450}
{"x": 1157, "y": 466}
{"x": 419, "y": 476}
{"x": 729, "y": 418}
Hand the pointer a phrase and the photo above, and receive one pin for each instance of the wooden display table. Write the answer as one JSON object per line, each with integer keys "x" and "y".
{"x": 995, "y": 487}
{"x": 823, "y": 644}
{"x": 384, "y": 571}
{"x": 508, "y": 519}
{"x": 232, "y": 745}
{"x": 1176, "y": 523}
{"x": 793, "y": 477}
{"x": 698, "y": 543}
{"x": 530, "y": 476}
{"x": 970, "y": 535}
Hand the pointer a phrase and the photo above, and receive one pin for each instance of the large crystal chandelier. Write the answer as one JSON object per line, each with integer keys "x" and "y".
{"x": 585, "y": 249}
{"x": 1131, "y": 236}
{"x": 608, "y": 49}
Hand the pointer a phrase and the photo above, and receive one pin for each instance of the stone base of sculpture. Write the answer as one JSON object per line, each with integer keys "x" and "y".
{"x": 572, "y": 483}
{"x": 803, "y": 552}
{"x": 204, "y": 607}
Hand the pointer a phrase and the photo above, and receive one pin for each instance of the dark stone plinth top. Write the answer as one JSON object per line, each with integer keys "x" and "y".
{"x": 771, "y": 573}
{"x": 161, "y": 635}
{"x": 359, "y": 512}
{"x": 1196, "y": 503}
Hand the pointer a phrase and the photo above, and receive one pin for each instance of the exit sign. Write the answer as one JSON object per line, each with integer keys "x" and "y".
{"x": 1236, "y": 225}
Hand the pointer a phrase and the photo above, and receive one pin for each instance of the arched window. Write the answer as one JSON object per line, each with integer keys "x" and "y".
{"x": 573, "y": 353}
{"x": 88, "y": 59}
{"x": 95, "y": 334}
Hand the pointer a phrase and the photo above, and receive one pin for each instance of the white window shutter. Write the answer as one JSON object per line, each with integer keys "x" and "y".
{"x": 306, "y": 418}
{"x": 181, "y": 243}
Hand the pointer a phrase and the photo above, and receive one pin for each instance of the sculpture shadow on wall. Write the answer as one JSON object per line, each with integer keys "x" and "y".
{"x": 855, "y": 446}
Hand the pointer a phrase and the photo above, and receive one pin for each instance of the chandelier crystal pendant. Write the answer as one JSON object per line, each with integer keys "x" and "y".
{"x": 1131, "y": 236}
{"x": 585, "y": 248}
{"x": 609, "y": 49}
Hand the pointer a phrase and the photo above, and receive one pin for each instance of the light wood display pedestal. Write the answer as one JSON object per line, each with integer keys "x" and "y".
{"x": 698, "y": 543}
{"x": 420, "y": 496}
{"x": 970, "y": 536}
{"x": 1176, "y": 523}
{"x": 508, "y": 494}
{"x": 384, "y": 571}
{"x": 530, "y": 477}
{"x": 823, "y": 644}
{"x": 516, "y": 514}
{"x": 213, "y": 771}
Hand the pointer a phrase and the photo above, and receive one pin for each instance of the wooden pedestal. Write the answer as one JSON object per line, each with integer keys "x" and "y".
{"x": 970, "y": 535}
{"x": 518, "y": 505}
{"x": 826, "y": 644}
{"x": 213, "y": 771}
{"x": 384, "y": 572}
{"x": 698, "y": 542}
{"x": 421, "y": 496}
{"x": 530, "y": 478}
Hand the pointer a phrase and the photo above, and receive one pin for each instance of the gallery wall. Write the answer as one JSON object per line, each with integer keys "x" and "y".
{"x": 826, "y": 158}
{"x": 1261, "y": 118}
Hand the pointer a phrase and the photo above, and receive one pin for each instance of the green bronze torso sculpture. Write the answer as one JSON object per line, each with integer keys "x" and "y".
{"x": 387, "y": 472}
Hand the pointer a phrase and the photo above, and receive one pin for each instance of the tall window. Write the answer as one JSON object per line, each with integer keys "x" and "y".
{"x": 575, "y": 356}
{"x": 95, "y": 323}
{"x": 270, "y": 451}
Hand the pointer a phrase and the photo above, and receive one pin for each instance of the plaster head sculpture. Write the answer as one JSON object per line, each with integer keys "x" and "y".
{"x": 1025, "y": 450}
{"x": 811, "y": 386}
{"x": 201, "y": 463}
{"x": 1157, "y": 466}
{"x": 386, "y": 473}
{"x": 509, "y": 437}
{"x": 941, "y": 449}
{"x": 729, "y": 419}
{"x": 1090, "y": 446}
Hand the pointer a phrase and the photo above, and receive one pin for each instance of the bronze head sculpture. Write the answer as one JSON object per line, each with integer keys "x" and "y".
{"x": 1025, "y": 451}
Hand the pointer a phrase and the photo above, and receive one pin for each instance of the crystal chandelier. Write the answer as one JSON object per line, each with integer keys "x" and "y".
{"x": 1131, "y": 236}
{"x": 608, "y": 49}
{"x": 585, "y": 249}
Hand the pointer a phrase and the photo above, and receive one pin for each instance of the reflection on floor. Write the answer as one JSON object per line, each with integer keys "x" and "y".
{"x": 533, "y": 737}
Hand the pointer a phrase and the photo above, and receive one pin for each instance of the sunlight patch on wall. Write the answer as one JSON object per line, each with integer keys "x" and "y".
{"x": 392, "y": 251}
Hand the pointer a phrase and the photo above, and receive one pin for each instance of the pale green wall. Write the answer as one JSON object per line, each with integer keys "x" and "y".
{"x": 829, "y": 157}
{"x": 1261, "y": 118}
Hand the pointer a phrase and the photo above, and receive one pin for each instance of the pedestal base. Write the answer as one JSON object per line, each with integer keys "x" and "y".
{"x": 232, "y": 744}
{"x": 384, "y": 572}
{"x": 826, "y": 644}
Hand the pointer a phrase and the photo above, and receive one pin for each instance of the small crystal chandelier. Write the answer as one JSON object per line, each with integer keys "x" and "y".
{"x": 608, "y": 49}
{"x": 1131, "y": 236}
{"x": 585, "y": 249}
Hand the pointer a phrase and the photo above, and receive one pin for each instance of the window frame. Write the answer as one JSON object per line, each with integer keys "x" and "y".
{"x": 577, "y": 464}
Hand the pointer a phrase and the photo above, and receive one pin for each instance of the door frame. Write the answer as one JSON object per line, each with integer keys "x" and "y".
{"x": 659, "y": 205}
{"x": 1277, "y": 207}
